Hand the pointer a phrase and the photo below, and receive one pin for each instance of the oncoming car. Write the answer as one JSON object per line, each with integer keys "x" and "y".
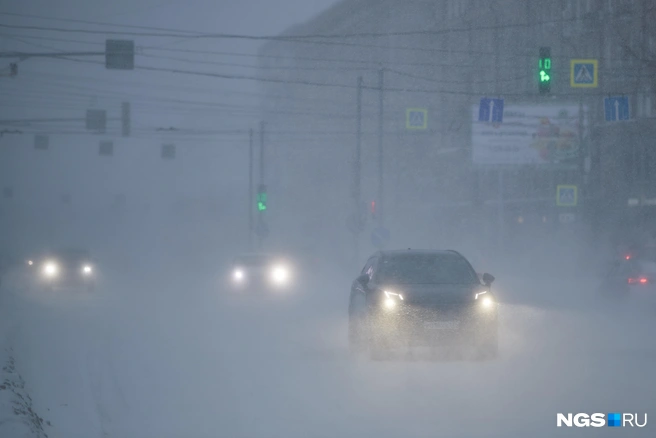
{"x": 63, "y": 269}
{"x": 261, "y": 271}
{"x": 410, "y": 298}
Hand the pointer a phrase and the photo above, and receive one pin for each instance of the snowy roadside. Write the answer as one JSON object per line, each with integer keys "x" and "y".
{"x": 17, "y": 416}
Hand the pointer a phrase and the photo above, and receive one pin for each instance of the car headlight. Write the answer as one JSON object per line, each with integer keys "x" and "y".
{"x": 238, "y": 275}
{"x": 50, "y": 269}
{"x": 391, "y": 299}
{"x": 484, "y": 298}
{"x": 30, "y": 262}
{"x": 280, "y": 274}
{"x": 87, "y": 270}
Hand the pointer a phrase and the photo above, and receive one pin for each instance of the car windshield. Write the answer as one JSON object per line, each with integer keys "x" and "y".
{"x": 426, "y": 269}
{"x": 252, "y": 260}
{"x": 72, "y": 255}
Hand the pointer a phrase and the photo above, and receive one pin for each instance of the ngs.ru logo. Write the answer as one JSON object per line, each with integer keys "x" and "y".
{"x": 601, "y": 420}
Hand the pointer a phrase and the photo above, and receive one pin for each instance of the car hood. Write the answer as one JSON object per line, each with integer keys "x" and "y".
{"x": 435, "y": 294}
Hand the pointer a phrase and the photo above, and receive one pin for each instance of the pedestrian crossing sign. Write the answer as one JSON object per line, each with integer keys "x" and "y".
{"x": 416, "y": 118}
{"x": 566, "y": 195}
{"x": 584, "y": 73}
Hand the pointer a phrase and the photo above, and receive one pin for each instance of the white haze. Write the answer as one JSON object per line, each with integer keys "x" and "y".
{"x": 163, "y": 349}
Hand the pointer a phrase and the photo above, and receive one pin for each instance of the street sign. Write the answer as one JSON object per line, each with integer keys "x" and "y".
{"x": 583, "y": 73}
{"x": 106, "y": 148}
{"x": 96, "y": 120}
{"x": 490, "y": 110}
{"x": 416, "y": 118}
{"x": 533, "y": 134}
{"x": 566, "y": 195}
{"x": 616, "y": 108}
{"x": 41, "y": 142}
{"x": 119, "y": 54}
{"x": 380, "y": 236}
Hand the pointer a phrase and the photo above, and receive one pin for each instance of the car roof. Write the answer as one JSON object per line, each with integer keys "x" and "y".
{"x": 70, "y": 251}
{"x": 395, "y": 252}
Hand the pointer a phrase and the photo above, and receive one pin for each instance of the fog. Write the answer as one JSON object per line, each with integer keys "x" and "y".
{"x": 550, "y": 199}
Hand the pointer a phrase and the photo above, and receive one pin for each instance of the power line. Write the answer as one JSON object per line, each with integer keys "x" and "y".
{"x": 175, "y": 33}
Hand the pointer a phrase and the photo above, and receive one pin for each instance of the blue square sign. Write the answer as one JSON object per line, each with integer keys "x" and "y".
{"x": 616, "y": 108}
{"x": 566, "y": 195}
{"x": 490, "y": 110}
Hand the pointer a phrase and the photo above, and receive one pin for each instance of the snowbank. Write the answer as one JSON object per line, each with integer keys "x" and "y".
{"x": 17, "y": 416}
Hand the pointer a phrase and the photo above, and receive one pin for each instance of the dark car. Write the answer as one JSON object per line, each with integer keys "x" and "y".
{"x": 631, "y": 276}
{"x": 261, "y": 271}
{"x": 422, "y": 298}
{"x": 64, "y": 269}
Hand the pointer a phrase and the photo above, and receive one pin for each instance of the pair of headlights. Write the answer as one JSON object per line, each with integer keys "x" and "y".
{"x": 392, "y": 299}
{"x": 51, "y": 269}
{"x": 277, "y": 274}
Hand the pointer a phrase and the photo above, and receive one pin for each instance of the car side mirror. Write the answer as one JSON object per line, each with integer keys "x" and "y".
{"x": 363, "y": 279}
{"x": 488, "y": 279}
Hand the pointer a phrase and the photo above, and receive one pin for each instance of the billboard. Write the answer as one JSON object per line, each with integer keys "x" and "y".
{"x": 530, "y": 134}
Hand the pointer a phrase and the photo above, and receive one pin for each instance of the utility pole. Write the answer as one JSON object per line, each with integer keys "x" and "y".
{"x": 497, "y": 89}
{"x": 261, "y": 223}
{"x": 381, "y": 96}
{"x": 250, "y": 189}
{"x": 262, "y": 126}
{"x": 356, "y": 171}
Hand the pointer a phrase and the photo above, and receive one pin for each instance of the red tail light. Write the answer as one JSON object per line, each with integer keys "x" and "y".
{"x": 638, "y": 280}
{"x": 627, "y": 257}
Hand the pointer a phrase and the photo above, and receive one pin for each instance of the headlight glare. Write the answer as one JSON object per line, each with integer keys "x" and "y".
{"x": 279, "y": 274}
{"x": 87, "y": 270}
{"x": 238, "y": 275}
{"x": 50, "y": 269}
{"x": 391, "y": 299}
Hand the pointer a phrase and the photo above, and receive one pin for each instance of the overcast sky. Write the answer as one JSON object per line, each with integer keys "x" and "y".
{"x": 54, "y": 88}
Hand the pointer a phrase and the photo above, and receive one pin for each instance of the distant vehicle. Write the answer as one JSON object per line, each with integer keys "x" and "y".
{"x": 631, "y": 276}
{"x": 261, "y": 271}
{"x": 422, "y": 298}
{"x": 63, "y": 269}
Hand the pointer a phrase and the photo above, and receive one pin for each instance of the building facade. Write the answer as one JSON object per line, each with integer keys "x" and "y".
{"x": 441, "y": 58}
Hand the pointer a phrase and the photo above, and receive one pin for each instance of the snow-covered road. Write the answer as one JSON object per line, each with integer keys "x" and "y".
{"x": 179, "y": 357}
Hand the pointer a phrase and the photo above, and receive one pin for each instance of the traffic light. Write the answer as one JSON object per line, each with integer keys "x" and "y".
{"x": 261, "y": 197}
{"x": 544, "y": 68}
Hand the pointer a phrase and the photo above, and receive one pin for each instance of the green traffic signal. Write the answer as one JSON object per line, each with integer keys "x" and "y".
{"x": 544, "y": 68}
{"x": 261, "y": 198}
{"x": 544, "y": 77}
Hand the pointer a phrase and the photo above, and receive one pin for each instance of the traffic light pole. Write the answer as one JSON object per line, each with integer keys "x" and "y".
{"x": 356, "y": 171}
{"x": 381, "y": 96}
{"x": 261, "y": 213}
{"x": 250, "y": 189}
